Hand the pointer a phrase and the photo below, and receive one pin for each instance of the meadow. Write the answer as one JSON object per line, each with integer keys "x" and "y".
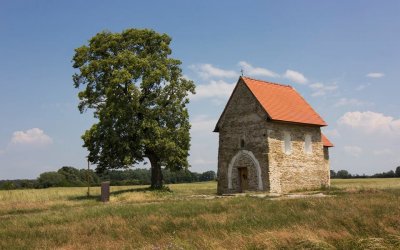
{"x": 354, "y": 214}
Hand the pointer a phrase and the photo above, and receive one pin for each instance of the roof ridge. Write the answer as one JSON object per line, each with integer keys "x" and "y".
{"x": 275, "y": 83}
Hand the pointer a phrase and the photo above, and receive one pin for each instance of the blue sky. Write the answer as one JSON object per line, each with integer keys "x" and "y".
{"x": 342, "y": 56}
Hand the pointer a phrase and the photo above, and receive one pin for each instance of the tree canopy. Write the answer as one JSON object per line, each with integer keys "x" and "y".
{"x": 138, "y": 96}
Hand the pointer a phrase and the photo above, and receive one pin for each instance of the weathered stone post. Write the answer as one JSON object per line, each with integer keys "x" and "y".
{"x": 105, "y": 191}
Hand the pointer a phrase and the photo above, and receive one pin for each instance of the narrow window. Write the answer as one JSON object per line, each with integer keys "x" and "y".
{"x": 307, "y": 144}
{"x": 288, "y": 144}
{"x": 242, "y": 143}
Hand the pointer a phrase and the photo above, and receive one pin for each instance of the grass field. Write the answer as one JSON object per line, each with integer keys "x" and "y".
{"x": 357, "y": 214}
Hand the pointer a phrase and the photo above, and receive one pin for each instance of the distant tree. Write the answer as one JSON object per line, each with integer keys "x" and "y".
{"x": 208, "y": 176}
{"x": 182, "y": 176}
{"x": 398, "y": 171}
{"x": 93, "y": 177}
{"x": 390, "y": 174}
{"x": 51, "y": 179}
{"x": 7, "y": 185}
{"x": 28, "y": 183}
{"x": 139, "y": 97}
{"x": 343, "y": 174}
{"x": 127, "y": 177}
{"x": 72, "y": 176}
{"x": 333, "y": 174}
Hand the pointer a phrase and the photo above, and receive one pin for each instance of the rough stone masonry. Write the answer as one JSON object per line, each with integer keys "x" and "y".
{"x": 258, "y": 153}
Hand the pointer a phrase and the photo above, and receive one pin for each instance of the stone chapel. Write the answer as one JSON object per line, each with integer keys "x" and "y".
{"x": 270, "y": 140}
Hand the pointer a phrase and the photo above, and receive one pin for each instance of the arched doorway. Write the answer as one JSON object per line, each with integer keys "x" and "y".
{"x": 244, "y": 172}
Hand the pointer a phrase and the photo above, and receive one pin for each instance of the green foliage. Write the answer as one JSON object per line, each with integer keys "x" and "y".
{"x": 72, "y": 177}
{"x": 67, "y": 177}
{"x": 343, "y": 174}
{"x": 398, "y": 171}
{"x": 7, "y": 185}
{"x": 27, "y": 184}
{"x": 51, "y": 179}
{"x": 127, "y": 177}
{"x": 389, "y": 174}
{"x": 84, "y": 174}
{"x": 139, "y": 97}
{"x": 17, "y": 184}
{"x": 143, "y": 176}
{"x": 332, "y": 174}
{"x": 208, "y": 176}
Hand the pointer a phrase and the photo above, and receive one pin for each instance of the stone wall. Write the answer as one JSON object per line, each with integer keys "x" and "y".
{"x": 297, "y": 170}
{"x": 327, "y": 166}
{"x": 243, "y": 127}
{"x": 244, "y": 120}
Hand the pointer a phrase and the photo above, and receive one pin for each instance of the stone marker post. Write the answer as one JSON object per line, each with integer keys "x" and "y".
{"x": 105, "y": 191}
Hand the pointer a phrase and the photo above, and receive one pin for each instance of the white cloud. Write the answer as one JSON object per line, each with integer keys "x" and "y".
{"x": 202, "y": 123}
{"x": 385, "y": 151}
{"x": 295, "y": 76}
{"x": 207, "y": 71}
{"x": 34, "y": 136}
{"x": 215, "y": 89}
{"x": 375, "y": 75}
{"x": 353, "y": 150}
{"x": 371, "y": 122}
{"x": 320, "y": 89}
{"x": 351, "y": 102}
{"x": 256, "y": 71}
{"x": 362, "y": 86}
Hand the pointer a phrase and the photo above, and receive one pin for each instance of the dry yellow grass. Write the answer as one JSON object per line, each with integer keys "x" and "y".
{"x": 367, "y": 183}
{"x": 363, "y": 214}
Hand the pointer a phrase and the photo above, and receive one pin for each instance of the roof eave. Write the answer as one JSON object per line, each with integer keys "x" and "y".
{"x": 300, "y": 123}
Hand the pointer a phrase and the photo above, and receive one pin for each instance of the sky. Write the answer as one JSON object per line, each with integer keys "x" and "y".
{"x": 343, "y": 57}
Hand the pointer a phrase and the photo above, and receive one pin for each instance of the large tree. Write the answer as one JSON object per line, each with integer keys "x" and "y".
{"x": 139, "y": 99}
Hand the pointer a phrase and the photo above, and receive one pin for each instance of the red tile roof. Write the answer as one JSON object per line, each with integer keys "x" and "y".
{"x": 283, "y": 102}
{"x": 325, "y": 141}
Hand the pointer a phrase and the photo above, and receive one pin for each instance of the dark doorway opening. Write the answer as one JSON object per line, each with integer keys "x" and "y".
{"x": 243, "y": 180}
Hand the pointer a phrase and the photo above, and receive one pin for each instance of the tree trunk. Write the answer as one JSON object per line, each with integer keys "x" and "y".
{"x": 156, "y": 174}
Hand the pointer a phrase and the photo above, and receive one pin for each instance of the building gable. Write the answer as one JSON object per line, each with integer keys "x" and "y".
{"x": 242, "y": 101}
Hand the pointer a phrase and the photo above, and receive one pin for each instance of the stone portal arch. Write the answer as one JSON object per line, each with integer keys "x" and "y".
{"x": 251, "y": 156}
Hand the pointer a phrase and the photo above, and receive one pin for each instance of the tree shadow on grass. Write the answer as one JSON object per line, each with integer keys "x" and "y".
{"x": 131, "y": 190}
{"x": 114, "y": 193}
{"x": 164, "y": 189}
{"x": 118, "y": 192}
{"x": 85, "y": 197}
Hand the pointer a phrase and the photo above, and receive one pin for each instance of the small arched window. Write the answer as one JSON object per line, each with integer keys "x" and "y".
{"x": 287, "y": 143}
{"x": 307, "y": 144}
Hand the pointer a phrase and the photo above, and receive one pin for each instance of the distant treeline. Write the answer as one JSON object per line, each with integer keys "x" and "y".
{"x": 344, "y": 174}
{"x": 73, "y": 177}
